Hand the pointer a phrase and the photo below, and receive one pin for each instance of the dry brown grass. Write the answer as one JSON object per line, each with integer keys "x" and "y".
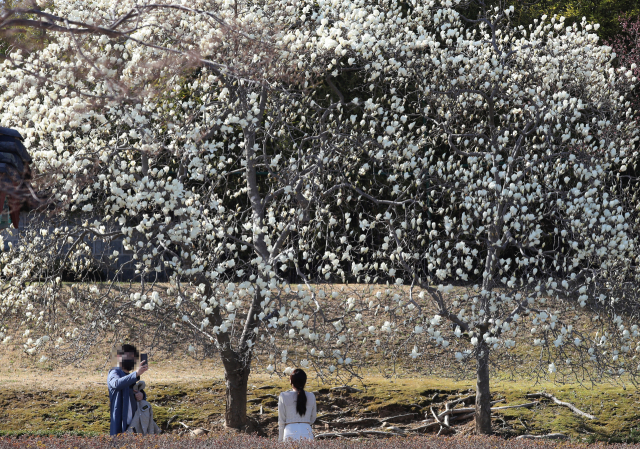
{"x": 390, "y": 360}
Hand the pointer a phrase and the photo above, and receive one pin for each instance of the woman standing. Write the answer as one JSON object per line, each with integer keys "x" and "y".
{"x": 296, "y": 410}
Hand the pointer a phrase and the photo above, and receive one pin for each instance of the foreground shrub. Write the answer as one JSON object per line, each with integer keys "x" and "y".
{"x": 228, "y": 441}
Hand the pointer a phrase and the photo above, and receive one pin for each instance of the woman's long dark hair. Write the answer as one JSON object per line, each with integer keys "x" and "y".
{"x": 299, "y": 380}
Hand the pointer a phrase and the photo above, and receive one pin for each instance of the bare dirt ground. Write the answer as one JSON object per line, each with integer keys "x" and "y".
{"x": 16, "y": 370}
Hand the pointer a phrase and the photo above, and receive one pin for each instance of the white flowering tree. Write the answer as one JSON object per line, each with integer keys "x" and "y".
{"x": 498, "y": 163}
{"x": 195, "y": 142}
{"x": 219, "y": 145}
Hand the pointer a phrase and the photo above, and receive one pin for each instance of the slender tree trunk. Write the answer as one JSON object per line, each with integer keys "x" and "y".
{"x": 236, "y": 375}
{"x": 483, "y": 392}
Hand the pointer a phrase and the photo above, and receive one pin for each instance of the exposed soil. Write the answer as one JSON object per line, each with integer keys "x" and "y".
{"x": 337, "y": 410}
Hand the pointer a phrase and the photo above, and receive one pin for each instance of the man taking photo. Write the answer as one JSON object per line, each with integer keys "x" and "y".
{"x": 122, "y": 399}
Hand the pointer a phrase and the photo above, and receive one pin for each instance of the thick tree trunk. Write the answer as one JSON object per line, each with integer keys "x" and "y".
{"x": 236, "y": 374}
{"x": 237, "y": 367}
{"x": 237, "y": 363}
{"x": 483, "y": 392}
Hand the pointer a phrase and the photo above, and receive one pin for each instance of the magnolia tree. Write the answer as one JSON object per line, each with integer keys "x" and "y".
{"x": 498, "y": 162}
{"x": 197, "y": 138}
{"x": 625, "y": 45}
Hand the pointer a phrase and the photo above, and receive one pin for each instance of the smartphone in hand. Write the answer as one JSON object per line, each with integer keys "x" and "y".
{"x": 144, "y": 359}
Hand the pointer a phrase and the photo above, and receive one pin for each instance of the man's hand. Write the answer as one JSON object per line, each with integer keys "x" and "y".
{"x": 142, "y": 369}
{"x": 139, "y": 396}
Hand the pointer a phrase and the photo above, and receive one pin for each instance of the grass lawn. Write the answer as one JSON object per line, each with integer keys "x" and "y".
{"x": 39, "y": 401}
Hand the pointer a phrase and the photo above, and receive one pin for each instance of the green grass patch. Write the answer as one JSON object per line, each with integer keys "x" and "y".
{"x": 201, "y": 404}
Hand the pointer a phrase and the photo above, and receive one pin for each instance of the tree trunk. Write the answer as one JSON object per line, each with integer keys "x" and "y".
{"x": 236, "y": 374}
{"x": 483, "y": 392}
{"x": 237, "y": 363}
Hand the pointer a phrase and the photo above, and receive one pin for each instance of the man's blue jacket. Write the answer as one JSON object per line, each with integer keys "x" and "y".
{"x": 121, "y": 398}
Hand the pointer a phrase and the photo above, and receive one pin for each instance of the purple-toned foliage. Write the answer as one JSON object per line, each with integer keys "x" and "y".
{"x": 227, "y": 441}
{"x": 626, "y": 45}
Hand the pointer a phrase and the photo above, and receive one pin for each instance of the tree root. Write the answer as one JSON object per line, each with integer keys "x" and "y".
{"x": 463, "y": 417}
{"x": 527, "y": 405}
{"x": 466, "y": 410}
{"x": 367, "y": 421}
{"x": 432, "y": 425}
{"x": 570, "y": 406}
{"x": 550, "y": 436}
{"x": 397, "y": 417}
{"x": 358, "y": 433}
{"x": 444, "y": 422}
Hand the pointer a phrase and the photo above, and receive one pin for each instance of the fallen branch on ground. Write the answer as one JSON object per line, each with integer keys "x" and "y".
{"x": 471, "y": 399}
{"x": 397, "y": 417}
{"x": 381, "y": 433}
{"x": 523, "y": 424}
{"x": 171, "y": 420}
{"x": 455, "y": 411}
{"x": 366, "y": 421}
{"x": 463, "y": 417}
{"x": 447, "y": 418}
{"x": 359, "y": 422}
{"x": 438, "y": 419}
{"x": 358, "y": 433}
{"x": 432, "y": 425}
{"x": 336, "y": 435}
{"x": 391, "y": 428}
{"x": 504, "y": 407}
{"x": 572, "y": 407}
{"x": 551, "y": 436}
{"x": 445, "y": 428}
{"x": 464, "y": 410}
